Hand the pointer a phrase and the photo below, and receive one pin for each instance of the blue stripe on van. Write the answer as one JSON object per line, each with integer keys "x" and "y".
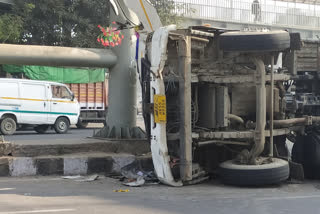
{"x": 38, "y": 112}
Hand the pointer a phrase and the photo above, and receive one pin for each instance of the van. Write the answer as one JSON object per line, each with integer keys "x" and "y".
{"x": 39, "y": 103}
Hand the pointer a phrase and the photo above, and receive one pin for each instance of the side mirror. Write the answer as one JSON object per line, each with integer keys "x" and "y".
{"x": 72, "y": 97}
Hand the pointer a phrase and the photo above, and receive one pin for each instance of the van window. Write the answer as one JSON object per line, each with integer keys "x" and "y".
{"x": 60, "y": 92}
{"x": 9, "y": 90}
{"x": 33, "y": 91}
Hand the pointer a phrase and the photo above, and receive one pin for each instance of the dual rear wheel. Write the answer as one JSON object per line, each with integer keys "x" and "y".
{"x": 274, "y": 172}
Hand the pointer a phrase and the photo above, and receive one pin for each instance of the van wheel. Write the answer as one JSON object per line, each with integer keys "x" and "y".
{"x": 41, "y": 129}
{"x": 8, "y": 126}
{"x": 61, "y": 125}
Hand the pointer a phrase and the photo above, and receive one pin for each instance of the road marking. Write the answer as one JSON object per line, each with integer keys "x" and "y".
{"x": 29, "y": 179}
{"x": 6, "y": 189}
{"x": 289, "y": 197}
{"x": 39, "y": 211}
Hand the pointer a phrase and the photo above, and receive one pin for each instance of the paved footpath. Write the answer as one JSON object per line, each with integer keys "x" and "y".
{"x": 54, "y": 195}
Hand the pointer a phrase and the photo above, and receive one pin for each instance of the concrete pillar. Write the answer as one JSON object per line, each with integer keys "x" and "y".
{"x": 122, "y": 109}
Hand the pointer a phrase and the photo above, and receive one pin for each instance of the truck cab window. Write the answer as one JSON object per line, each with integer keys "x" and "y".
{"x": 60, "y": 92}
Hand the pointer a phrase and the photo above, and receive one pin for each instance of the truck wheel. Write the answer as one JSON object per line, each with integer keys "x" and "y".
{"x": 254, "y": 175}
{"x": 255, "y": 41}
{"x": 61, "y": 125}
{"x": 82, "y": 125}
{"x": 41, "y": 129}
{"x": 8, "y": 126}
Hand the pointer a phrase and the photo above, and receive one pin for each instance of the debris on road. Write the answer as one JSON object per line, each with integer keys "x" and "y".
{"x": 121, "y": 190}
{"x": 72, "y": 177}
{"x": 134, "y": 176}
{"x": 80, "y": 178}
{"x": 138, "y": 183}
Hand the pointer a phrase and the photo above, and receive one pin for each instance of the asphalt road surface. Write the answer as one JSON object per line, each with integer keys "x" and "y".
{"x": 55, "y": 195}
{"x": 73, "y": 133}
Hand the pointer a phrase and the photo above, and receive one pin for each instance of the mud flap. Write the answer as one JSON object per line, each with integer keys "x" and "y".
{"x": 296, "y": 171}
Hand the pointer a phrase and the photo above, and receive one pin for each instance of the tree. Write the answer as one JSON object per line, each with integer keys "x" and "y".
{"x": 68, "y": 22}
{"x": 170, "y": 12}
{"x": 56, "y": 22}
{"x": 89, "y": 13}
{"x": 11, "y": 23}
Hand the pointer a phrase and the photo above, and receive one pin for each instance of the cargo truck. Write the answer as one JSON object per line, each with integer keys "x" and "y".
{"x": 93, "y": 100}
{"x": 215, "y": 103}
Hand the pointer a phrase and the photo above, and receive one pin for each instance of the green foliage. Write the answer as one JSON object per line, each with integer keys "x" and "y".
{"x": 56, "y": 22}
{"x": 68, "y": 22}
{"x": 170, "y": 12}
{"x": 89, "y": 14}
{"x": 12, "y": 23}
{"x": 11, "y": 27}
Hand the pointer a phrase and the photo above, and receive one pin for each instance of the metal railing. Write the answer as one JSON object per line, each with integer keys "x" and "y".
{"x": 242, "y": 11}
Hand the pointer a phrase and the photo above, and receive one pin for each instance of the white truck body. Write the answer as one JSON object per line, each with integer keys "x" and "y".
{"x": 37, "y": 102}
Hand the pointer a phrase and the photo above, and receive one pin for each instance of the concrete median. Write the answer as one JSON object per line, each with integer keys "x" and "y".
{"x": 76, "y": 164}
{"x": 67, "y": 157}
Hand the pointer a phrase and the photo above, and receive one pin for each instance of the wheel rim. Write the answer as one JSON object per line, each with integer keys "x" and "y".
{"x": 62, "y": 125}
{"x": 8, "y": 126}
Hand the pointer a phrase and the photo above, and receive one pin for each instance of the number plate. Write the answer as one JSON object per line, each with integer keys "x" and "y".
{"x": 160, "y": 109}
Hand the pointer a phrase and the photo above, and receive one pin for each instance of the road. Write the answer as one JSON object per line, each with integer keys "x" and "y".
{"x": 73, "y": 133}
{"x": 54, "y": 195}
{"x": 50, "y": 135}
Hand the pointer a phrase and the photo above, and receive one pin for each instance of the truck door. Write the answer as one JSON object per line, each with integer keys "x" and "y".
{"x": 34, "y": 103}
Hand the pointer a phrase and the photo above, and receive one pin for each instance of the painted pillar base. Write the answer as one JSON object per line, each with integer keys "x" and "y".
{"x": 120, "y": 133}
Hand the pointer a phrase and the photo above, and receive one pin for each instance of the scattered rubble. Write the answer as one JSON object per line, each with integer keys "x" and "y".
{"x": 134, "y": 176}
{"x": 80, "y": 178}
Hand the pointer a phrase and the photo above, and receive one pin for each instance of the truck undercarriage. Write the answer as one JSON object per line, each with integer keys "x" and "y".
{"x": 215, "y": 102}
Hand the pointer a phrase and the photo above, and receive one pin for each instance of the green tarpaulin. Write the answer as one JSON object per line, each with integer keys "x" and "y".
{"x": 58, "y": 74}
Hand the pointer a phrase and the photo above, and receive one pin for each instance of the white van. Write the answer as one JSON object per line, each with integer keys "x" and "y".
{"x": 39, "y": 103}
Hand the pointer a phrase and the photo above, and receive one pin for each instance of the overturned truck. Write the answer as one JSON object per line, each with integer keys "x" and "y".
{"x": 215, "y": 101}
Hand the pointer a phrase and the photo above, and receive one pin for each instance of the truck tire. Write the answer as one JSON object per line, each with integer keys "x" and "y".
{"x": 61, "y": 125}
{"x": 254, "y": 175}
{"x": 41, "y": 129}
{"x": 255, "y": 41}
{"x": 8, "y": 126}
{"x": 82, "y": 125}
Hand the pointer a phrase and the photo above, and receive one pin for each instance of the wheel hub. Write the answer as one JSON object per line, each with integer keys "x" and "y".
{"x": 62, "y": 126}
{"x": 8, "y": 126}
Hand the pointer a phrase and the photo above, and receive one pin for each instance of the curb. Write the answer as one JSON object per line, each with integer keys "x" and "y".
{"x": 76, "y": 164}
{"x": 65, "y": 147}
